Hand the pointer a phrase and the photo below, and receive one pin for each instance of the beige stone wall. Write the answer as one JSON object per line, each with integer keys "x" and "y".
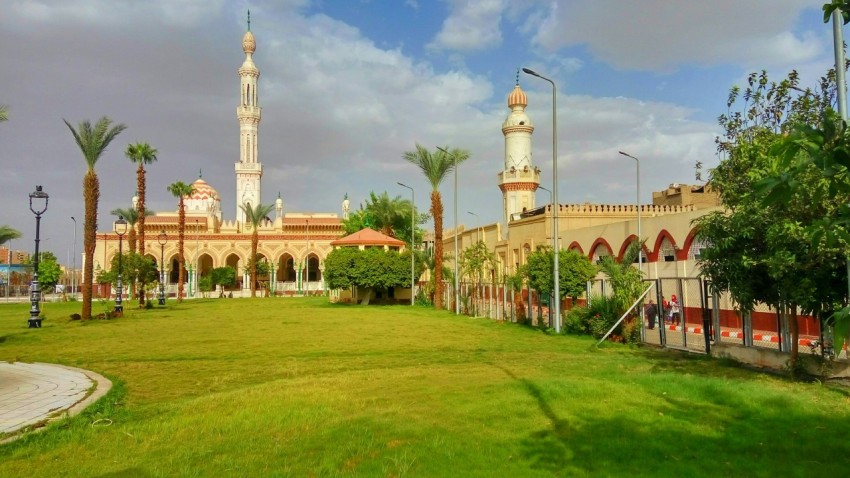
{"x": 668, "y": 232}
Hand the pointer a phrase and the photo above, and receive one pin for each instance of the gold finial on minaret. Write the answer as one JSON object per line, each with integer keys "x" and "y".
{"x": 249, "y": 27}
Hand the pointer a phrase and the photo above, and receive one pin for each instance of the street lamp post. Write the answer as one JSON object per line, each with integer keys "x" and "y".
{"x": 162, "y": 238}
{"x": 35, "y": 287}
{"x": 194, "y": 289}
{"x": 555, "y": 206}
{"x": 640, "y": 237}
{"x": 120, "y": 228}
{"x": 457, "y": 283}
{"x": 412, "y": 238}
{"x": 74, "y": 260}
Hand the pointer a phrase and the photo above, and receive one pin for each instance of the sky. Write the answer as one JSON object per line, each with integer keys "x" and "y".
{"x": 347, "y": 86}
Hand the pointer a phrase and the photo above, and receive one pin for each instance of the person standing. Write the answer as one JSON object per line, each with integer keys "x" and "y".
{"x": 675, "y": 310}
{"x": 651, "y": 312}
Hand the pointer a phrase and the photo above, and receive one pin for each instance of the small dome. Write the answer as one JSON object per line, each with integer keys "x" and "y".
{"x": 517, "y": 97}
{"x": 203, "y": 191}
{"x": 248, "y": 43}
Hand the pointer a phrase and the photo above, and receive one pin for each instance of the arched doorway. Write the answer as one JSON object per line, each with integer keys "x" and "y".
{"x": 286, "y": 268}
{"x": 174, "y": 270}
{"x": 205, "y": 265}
{"x": 235, "y": 262}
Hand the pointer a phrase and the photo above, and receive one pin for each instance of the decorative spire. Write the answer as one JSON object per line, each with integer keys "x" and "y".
{"x": 517, "y": 77}
{"x": 249, "y": 22}
{"x": 200, "y": 173}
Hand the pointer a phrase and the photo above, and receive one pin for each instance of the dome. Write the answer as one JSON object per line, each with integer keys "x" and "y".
{"x": 517, "y": 97}
{"x": 248, "y": 43}
{"x": 203, "y": 191}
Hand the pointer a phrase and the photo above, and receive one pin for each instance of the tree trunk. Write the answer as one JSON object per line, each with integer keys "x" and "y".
{"x": 91, "y": 196}
{"x": 131, "y": 241}
{"x": 794, "y": 328}
{"x": 140, "y": 181}
{"x": 437, "y": 214}
{"x": 180, "y": 260}
{"x": 255, "y": 240}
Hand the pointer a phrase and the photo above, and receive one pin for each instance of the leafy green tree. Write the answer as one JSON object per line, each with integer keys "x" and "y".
{"x": 134, "y": 267}
{"x": 435, "y": 167}
{"x": 181, "y": 190}
{"x": 375, "y": 268}
{"x": 4, "y": 113}
{"x": 92, "y": 142}
{"x": 624, "y": 278}
{"x": 575, "y": 270}
{"x": 475, "y": 262}
{"x": 255, "y": 216}
{"x": 49, "y": 271}
{"x": 224, "y": 277}
{"x": 766, "y": 248}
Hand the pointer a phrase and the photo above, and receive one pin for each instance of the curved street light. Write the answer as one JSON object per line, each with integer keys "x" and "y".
{"x": 457, "y": 285}
{"x": 556, "y": 210}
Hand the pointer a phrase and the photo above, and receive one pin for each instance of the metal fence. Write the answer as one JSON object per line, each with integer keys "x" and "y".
{"x": 693, "y": 322}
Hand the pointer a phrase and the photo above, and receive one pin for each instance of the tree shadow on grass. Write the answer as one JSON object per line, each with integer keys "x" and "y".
{"x": 707, "y": 435}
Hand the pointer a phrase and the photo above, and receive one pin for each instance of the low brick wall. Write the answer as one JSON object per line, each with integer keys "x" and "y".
{"x": 776, "y": 360}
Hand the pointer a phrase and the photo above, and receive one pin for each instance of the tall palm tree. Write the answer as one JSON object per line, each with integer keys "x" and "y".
{"x": 180, "y": 190}
{"x": 141, "y": 154}
{"x": 255, "y": 216}
{"x": 92, "y": 142}
{"x": 7, "y": 234}
{"x": 435, "y": 166}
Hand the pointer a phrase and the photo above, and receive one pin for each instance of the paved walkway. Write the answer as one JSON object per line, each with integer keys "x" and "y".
{"x": 31, "y": 393}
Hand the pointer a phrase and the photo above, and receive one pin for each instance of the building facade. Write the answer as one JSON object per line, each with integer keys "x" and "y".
{"x": 294, "y": 244}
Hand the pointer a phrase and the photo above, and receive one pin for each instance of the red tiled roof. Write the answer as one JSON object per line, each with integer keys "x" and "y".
{"x": 367, "y": 237}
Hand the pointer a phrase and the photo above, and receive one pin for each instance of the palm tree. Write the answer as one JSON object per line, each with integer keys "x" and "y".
{"x": 132, "y": 216}
{"x": 7, "y": 234}
{"x": 141, "y": 154}
{"x": 180, "y": 190}
{"x": 435, "y": 166}
{"x": 255, "y": 216}
{"x": 92, "y": 142}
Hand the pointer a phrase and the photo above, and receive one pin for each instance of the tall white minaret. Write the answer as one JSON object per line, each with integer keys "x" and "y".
{"x": 520, "y": 178}
{"x": 249, "y": 171}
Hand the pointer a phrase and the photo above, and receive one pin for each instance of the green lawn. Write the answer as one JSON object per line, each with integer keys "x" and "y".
{"x": 299, "y": 387}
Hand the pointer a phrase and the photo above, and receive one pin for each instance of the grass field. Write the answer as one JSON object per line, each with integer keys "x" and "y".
{"x": 300, "y": 387}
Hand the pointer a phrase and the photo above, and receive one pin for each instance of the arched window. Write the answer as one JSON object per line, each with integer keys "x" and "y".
{"x": 668, "y": 251}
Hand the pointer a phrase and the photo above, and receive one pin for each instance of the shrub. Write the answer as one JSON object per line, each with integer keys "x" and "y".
{"x": 603, "y": 313}
{"x": 577, "y": 321}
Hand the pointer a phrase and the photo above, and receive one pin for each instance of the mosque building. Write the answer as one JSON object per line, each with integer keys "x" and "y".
{"x": 594, "y": 230}
{"x": 296, "y": 244}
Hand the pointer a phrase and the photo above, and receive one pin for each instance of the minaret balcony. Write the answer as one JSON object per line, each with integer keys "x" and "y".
{"x": 519, "y": 175}
{"x": 249, "y": 111}
{"x": 249, "y": 168}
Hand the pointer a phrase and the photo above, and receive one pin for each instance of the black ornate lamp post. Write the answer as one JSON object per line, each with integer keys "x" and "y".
{"x": 35, "y": 288}
{"x": 163, "y": 238}
{"x": 120, "y": 228}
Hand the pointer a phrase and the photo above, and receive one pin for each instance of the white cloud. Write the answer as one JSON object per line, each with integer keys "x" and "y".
{"x": 471, "y": 25}
{"x": 659, "y": 35}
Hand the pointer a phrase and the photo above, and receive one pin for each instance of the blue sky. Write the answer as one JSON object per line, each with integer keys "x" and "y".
{"x": 347, "y": 86}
